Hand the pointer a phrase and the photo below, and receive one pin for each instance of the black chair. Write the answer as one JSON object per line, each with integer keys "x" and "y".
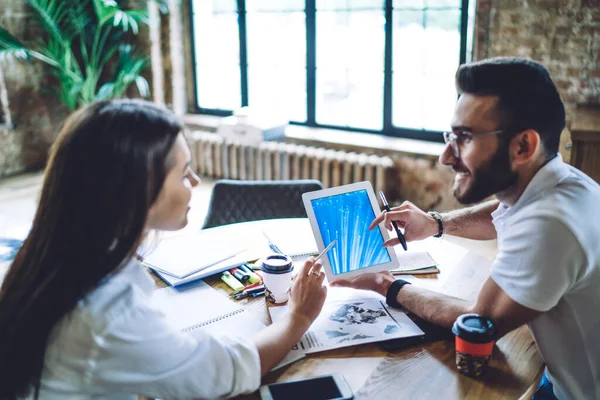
{"x": 240, "y": 201}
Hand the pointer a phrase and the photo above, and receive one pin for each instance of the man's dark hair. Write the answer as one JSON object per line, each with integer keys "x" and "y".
{"x": 527, "y": 97}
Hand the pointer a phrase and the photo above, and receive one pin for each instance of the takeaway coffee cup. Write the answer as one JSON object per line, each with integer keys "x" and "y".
{"x": 474, "y": 339}
{"x": 277, "y": 276}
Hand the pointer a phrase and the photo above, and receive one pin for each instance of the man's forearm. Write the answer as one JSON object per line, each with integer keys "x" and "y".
{"x": 437, "y": 308}
{"x": 473, "y": 222}
{"x": 434, "y": 307}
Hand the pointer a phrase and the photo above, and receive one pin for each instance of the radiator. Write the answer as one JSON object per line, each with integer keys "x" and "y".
{"x": 217, "y": 158}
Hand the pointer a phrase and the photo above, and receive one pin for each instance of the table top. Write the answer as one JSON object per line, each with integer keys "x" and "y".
{"x": 422, "y": 371}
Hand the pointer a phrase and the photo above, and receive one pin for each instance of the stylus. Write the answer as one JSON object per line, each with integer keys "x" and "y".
{"x": 325, "y": 250}
{"x": 387, "y": 208}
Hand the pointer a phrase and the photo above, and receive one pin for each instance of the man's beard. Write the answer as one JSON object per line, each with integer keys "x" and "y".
{"x": 493, "y": 177}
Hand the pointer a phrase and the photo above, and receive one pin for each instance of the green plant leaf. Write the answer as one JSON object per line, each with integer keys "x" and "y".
{"x": 130, "y": 19}
{"x": 52, "y": 14}
{"x": 142, "y": 86}
{"x": 10, "y": 46}
{"x": 106, "y": 91}
{"x": 105, "y": 9}
{"x": 163, "y": 5}
{"x": 129, "y": 67}
{"x": 81, "y": 41}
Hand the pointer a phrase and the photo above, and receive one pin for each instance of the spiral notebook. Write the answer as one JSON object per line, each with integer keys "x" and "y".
{"x": 196, "y": 308}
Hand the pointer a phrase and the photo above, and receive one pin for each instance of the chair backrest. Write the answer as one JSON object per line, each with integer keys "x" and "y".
{"x": 235, "y": 201}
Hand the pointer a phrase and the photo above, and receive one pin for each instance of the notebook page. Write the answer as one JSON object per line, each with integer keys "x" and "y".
{"x": 197, "y": 304}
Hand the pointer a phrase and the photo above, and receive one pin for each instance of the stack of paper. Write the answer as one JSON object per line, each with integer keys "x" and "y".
{"x": 185, "y": 258}
{"x": 415, "y": 263}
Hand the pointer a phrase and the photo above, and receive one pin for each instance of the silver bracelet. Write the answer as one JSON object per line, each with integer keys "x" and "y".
{"x": 440, "y": 222}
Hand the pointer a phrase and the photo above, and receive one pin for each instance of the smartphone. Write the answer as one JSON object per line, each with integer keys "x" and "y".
{"x": 324, "y": 387}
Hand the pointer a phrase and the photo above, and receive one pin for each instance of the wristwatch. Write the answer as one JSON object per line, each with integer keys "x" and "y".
{"x": 391, "y": 297}
{"x": 440, "y": 223}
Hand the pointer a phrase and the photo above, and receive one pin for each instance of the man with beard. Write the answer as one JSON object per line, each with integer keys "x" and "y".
{"x": 504, "y": 142}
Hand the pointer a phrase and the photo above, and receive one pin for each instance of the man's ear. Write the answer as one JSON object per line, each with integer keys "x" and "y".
{"x": 525, "y": 146}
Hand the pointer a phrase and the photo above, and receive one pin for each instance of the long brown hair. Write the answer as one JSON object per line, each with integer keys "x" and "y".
{"x": 105, "y": 170}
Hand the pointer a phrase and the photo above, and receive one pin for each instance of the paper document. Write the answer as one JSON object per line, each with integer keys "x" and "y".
{"x": 409, "y": 261}
{"x": 356, "y": 319}
{"x": 184, "y": 255}
{"x": 227, "y": 264}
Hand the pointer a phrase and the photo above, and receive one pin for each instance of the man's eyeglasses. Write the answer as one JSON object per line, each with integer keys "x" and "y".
{"x": 464, "y": 137}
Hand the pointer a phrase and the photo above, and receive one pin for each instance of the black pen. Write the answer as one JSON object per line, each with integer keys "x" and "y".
{"x": 387, "y": 208}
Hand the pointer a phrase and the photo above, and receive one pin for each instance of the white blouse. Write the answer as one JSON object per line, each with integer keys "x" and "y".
{"x": 115, "y": 345}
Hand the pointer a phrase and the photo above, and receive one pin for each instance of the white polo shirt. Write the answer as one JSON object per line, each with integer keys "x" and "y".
{"x": 549, "y": 260}
{"x": 116, "y": 345}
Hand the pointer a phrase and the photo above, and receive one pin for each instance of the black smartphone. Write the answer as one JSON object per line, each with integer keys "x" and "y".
{"x": 326, "y": 387}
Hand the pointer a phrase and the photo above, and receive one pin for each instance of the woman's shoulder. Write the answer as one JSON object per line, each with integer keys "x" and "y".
{"x": 117, "y": 296}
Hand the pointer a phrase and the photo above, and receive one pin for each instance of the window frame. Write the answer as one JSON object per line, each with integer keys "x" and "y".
{"x": 310, "y": 10}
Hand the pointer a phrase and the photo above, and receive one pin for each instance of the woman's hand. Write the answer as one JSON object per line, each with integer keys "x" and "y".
{"x": 307, "y": 293}
{"x": 307, "y": 296}
{"x": 417, "y": 224}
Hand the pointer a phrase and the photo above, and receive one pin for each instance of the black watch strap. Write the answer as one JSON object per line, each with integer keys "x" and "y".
{"x": 392, "y": 293}
{"x": 440, "y": 222}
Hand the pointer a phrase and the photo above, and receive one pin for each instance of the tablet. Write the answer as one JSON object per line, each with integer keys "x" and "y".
{"x": 344, "y": 213}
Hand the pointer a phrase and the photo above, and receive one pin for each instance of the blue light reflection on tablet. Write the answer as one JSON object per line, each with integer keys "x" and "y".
{"x": 346, "y": 217}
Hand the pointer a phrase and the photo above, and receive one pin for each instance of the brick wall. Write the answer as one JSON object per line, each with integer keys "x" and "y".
{"x": 35, "y": 112}
{"x": 564, "y": 35}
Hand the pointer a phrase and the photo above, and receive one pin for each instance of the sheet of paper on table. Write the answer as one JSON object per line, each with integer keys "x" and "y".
{"x": 351, "y": 317}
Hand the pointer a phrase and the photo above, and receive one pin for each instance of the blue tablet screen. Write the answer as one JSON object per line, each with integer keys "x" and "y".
{"x": 346, "y": 217}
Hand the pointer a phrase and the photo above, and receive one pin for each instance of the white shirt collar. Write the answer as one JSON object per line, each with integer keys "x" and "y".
{"x": 548, "y": 176}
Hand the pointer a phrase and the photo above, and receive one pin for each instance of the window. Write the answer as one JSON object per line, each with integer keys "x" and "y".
{"x": 381, "y": 66}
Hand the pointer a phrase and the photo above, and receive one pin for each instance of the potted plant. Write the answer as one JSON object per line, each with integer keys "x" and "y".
{"x": 88, "y": 46}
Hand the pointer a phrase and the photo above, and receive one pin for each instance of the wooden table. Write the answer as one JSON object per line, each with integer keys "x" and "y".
{"x": 420, "y": 372}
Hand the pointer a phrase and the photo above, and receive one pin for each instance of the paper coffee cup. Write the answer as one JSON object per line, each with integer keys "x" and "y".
{"x": 277, "y": 272}
{"x": 475, "y": 336}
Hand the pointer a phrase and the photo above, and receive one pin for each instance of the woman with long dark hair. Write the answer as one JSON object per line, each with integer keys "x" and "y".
{"x": 75, "y": 315}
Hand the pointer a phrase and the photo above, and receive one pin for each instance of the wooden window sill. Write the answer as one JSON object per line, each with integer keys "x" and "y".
{"x": 336, "y": 139}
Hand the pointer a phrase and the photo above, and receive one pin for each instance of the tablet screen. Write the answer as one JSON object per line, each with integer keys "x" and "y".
{"x": 346, "y": 217}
